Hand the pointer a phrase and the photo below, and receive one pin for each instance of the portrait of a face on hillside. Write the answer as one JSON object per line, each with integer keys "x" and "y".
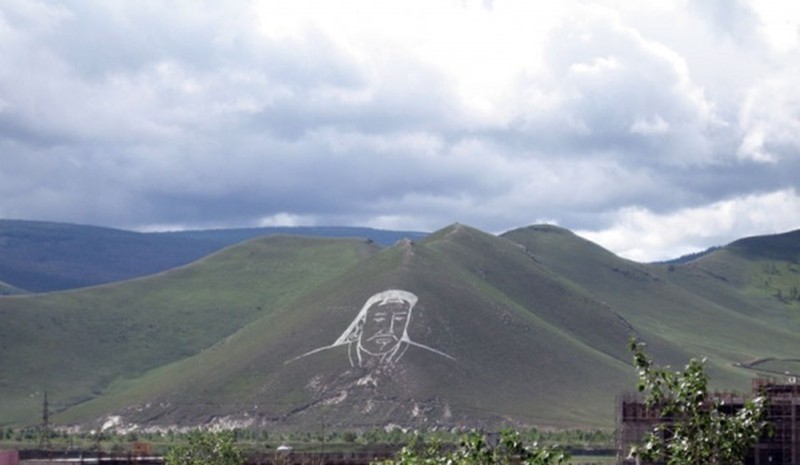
{"x": 378, "y": 335}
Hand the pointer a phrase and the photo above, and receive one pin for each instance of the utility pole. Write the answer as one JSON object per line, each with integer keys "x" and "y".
{"x": 322, "y": 454}
{"x": 44, "y": 431}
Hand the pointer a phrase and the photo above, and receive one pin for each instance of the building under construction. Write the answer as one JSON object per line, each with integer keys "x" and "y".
{"x": 780, "y": 446}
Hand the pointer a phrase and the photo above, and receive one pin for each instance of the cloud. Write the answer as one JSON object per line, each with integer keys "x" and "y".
{"x": 394, "y": 114}
{"x": 770, "y": 120}
{"x": 609, "y": 88}
{"x": 641, "y": 235}
{"x": 734, "y": 19}
{"x": 778, "y": 24}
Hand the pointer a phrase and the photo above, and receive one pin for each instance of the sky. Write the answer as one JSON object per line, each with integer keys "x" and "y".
{"x": 653, "y": 128}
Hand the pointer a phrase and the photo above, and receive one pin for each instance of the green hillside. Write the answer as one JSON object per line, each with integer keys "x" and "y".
{"x": 43, "y": 257}
{"x": 766, "y": 268}
{"x": 758, "y": 278}
{"x": 682, "y": 315}
{"x": 75, "y": 344}
{"x": 526, "y": 328}
{"x": 517, "y": 358}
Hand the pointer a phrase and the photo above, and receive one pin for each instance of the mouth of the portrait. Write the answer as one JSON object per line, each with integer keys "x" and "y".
{"x": 383, "y": 339}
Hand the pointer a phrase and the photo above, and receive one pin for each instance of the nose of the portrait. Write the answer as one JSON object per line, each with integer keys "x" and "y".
{"x": 385, "y": 327}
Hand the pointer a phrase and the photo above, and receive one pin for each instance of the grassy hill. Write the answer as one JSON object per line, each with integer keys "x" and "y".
{"x": 757, "y": 278}
{"x": 528, "y": 328}
{"x": 517, "y": 358}
{"x": 76, "y": 344}
{"x": 44, "y": 257}
{"x": 684, "y": 312}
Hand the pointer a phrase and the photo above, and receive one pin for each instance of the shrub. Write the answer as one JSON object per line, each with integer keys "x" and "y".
{"x": 474, "y": 450}
{"x": 206, "y": 448}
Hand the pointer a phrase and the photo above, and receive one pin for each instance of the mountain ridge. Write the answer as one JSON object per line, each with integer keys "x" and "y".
{"x": 38, "y": 256}
{"x": 526, "y": 328}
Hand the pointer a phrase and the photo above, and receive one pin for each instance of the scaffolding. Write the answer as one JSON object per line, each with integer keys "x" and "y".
{"x": 634, "y": 421}
{"x": 780, "y": 445}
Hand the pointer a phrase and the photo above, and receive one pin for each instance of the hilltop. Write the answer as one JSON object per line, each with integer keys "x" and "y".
{"x": 526, "y": 328}
{"x": 37, "y": 256}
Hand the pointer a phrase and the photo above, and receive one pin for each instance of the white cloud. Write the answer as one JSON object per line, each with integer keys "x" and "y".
{"x": 480, "y": 50}
{"x": 285, "y": 219}
{"x": 769, "y": 118}
{"x": 642, "y": 235}
{"x": 609, "y": 87}
{"x": 779, "y": 23}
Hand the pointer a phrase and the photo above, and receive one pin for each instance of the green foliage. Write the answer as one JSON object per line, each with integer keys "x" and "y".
{"x": 695, "y": 429}
{"x": 475, "y": 450}
{"x": 206, "y": 448}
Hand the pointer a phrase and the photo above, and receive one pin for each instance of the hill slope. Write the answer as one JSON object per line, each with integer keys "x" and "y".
{"x": 684, "y": 315}
{"x": 44, "y": 257}
{"x": 76, "y": 344}
{"x": 526, "y": 328}
{"x": 512, "y": 354}
{"x": 758, "y": 278}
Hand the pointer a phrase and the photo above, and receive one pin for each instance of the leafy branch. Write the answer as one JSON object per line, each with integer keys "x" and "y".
{"x": 694, "y": 428}
{"x": 475, "y": 450}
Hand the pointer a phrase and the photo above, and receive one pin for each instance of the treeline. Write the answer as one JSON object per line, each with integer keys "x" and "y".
{"x": 258, "y": 439}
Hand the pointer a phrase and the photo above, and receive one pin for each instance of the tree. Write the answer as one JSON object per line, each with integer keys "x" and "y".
{"x": 474, "y": 450}
{"x": 206, "y": 448}
{"x": 695, "y": 429}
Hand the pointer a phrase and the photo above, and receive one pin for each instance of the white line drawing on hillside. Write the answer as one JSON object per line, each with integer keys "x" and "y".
{"x": 379, "y": 333}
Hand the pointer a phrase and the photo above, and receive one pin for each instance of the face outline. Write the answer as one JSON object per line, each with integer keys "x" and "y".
{"x": 385, "y": 323}
{"x": 379, "y": 330}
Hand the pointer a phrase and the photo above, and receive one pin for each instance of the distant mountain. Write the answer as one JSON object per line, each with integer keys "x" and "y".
{"x": 461, "y": 328}
{"x": 688, "y": 257}
{"x": 43, "y": 257}
{"x": 782, "y": 247}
